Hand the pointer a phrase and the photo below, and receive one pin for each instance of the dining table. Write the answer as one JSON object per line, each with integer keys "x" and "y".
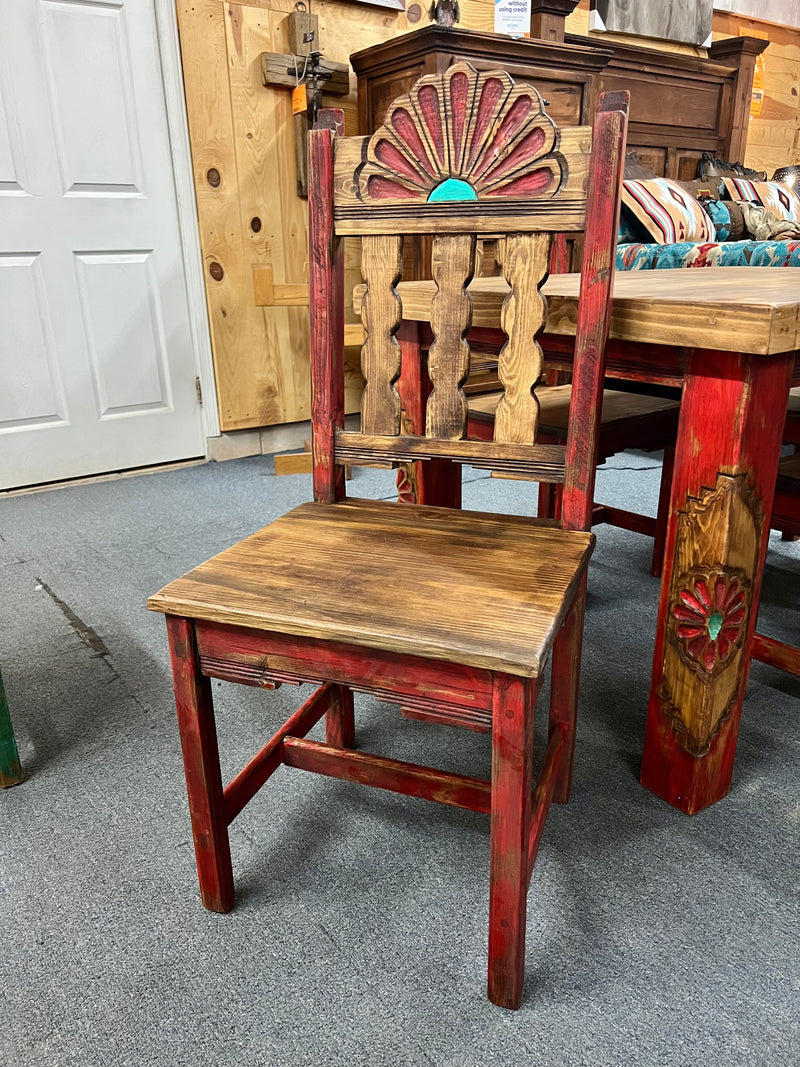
{"x": 729, "y": 337}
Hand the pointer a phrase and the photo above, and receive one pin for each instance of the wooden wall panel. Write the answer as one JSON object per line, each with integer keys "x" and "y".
{"x": 244, "y": 133}
{"x": 773, "y": 139}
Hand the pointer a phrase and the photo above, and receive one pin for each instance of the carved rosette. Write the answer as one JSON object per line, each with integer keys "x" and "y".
{"x": 708, "y": 619}
{"x": 463, "y": 136}
{"x": 710, "y": 599}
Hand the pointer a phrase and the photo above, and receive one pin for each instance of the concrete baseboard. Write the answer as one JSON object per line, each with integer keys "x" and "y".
{"x": 264, "y": 441}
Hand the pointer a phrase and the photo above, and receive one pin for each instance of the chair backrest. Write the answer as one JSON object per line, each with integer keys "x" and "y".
{"x": 463, "y": 155}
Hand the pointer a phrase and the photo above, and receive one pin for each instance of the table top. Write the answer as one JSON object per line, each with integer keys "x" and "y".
{"x": 741, "y": 309}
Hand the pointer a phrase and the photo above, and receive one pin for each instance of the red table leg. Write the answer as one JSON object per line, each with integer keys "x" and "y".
{"x": 725, "y": 466}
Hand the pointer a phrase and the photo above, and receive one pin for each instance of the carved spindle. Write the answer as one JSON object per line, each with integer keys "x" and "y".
{"x": 452, "y": 266}
{"x": 525, "y": 264}
{"x": 381, "y": 266}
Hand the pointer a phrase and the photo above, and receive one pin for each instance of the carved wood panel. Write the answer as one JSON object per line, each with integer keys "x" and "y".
{"x": 709, "y": 607}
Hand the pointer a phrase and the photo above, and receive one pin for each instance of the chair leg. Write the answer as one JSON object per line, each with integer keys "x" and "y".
{"x": 340, "y": 723}
{"x": 10, "y": 769}
{"x": 564, "y": 689}
{"x": 201, "y": 764}
{"x": 509, "y": 871}
{"x": 662, "y": 516}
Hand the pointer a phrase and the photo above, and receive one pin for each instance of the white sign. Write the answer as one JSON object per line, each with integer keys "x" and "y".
{"x": 512, "y": 17}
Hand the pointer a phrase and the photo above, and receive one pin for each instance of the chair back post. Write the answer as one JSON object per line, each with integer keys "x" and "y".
{"x": 326, "y": 319}
{"x": 609, "y": 137}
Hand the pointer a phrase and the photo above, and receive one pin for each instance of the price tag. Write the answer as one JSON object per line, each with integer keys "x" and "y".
{"x": 299, "y": 101}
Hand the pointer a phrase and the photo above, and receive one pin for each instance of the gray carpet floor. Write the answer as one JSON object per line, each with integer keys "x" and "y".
{"x": 359, "y": 936}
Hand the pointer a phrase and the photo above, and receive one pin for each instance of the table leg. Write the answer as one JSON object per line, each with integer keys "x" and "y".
{"x": 724, "y": 479}
{"x": 435, "y": 481}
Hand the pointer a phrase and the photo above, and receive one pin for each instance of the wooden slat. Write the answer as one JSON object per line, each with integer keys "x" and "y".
{"x": 525, "y": 262}
{"x": 452, "y": 263}
{"x": 241, "y": 790}
{"x": 543, "y": 461}
{"x": 409, "y": 779}
{"x": 381, "y": 265}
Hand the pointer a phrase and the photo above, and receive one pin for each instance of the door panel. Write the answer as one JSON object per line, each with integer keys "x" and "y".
{"x": 97, "y": 369}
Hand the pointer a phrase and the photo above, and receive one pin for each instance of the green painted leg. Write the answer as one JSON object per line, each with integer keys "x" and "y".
{"x": 10, "y": 770}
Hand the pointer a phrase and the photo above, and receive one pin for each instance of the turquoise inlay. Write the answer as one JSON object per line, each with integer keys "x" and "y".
{"x": 452, "y": 189}
{"x": 714, "y": 625}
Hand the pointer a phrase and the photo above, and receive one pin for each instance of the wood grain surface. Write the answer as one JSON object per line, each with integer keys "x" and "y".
{"x": 520, "y": 365}
{"x": 742, "y": 309}
{"x": 451, "y": 317}
{"x": 488, "y": 591}
{"x": 381, "y": 266}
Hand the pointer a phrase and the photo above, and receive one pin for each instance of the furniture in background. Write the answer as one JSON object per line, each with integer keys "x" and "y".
{"x": 10, "y": 769}
{"x": 735, "y": 223}
{"x": 681, "y": 105}
{"x": 786, "y": 518}
{"x": 730, "y": 337}
{"x": 312, "y": 597}
{"x": 629, "y": 420}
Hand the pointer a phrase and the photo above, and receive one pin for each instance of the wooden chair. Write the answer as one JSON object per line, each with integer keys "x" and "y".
{"x": 10, "y": 769}
{"x": 313, "y": 596}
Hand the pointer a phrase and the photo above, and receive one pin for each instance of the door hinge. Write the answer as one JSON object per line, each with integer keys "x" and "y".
{"x": 199, "y": 390}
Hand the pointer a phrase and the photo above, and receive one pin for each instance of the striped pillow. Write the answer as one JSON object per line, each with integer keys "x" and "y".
{"x": 668, "y": 213}
{"x": 776, "y": 197}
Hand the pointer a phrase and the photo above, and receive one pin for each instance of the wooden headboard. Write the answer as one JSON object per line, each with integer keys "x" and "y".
{"x": 681, "y": 105}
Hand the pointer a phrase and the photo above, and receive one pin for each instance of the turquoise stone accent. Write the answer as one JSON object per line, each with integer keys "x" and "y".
{"x": 452, "y": 189}
{"x": 714, "y": 625}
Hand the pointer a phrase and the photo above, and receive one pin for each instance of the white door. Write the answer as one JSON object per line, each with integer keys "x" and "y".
{"x": 97, "y": 369}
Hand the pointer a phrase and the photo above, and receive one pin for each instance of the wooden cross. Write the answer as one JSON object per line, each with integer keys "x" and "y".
{"x": 305, "y": 71}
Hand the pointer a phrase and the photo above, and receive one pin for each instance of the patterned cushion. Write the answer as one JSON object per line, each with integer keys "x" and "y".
{"x": 721, "y": 218}
{"x": 668, "y": 212}
{"x": 727, "y": 254}
{"x": 774, "y": 196}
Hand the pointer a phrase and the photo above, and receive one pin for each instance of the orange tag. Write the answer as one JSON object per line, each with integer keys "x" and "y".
{"x": 757, "y": 99}
{"x": 299, "y": 101}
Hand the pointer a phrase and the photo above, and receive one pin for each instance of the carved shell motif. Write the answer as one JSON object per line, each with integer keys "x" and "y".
{"x": 463, "y": 136}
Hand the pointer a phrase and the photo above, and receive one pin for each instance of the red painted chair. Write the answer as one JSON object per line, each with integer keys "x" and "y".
{"x": 495, "y": 599}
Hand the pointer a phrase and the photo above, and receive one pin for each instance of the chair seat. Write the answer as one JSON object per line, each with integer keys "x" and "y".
{"x": 476, "y": 589}
{"x": 554, "y": 407}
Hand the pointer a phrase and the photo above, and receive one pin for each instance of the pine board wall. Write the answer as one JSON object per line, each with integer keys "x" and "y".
{"x": 243, "y": 159}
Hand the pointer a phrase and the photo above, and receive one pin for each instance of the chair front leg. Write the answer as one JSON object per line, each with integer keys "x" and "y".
{"x": 195, "y": 709}
{"x": 564, "y": 689}
{"x": 512, "y": 769}
{"x": 340, "y": 724}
